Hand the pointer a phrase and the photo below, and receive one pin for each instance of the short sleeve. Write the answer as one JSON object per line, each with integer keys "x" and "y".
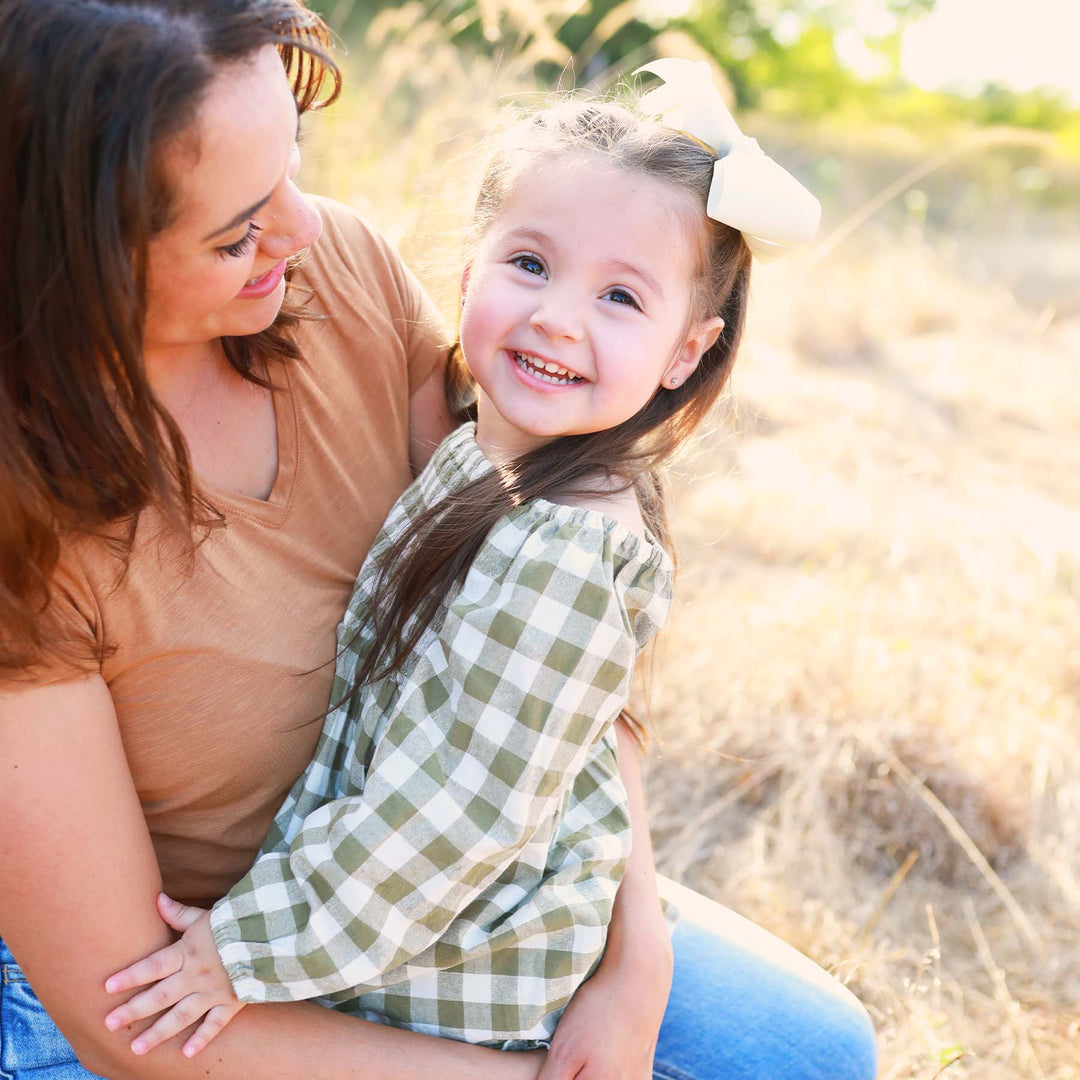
{"x": 72, "y": 634}
{"x": 352, "y": 264}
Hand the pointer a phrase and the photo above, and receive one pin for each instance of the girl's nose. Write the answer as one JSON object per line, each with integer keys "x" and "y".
{"x": 558, "y": 319}
{"x": 293, "y": 224}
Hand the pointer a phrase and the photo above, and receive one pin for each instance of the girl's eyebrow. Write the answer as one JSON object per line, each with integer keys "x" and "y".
{"x": 640, "y": 273}
{"x": 533, "y": 235}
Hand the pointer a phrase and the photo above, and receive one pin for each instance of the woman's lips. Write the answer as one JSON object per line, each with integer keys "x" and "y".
{"x": 263, "y": 285}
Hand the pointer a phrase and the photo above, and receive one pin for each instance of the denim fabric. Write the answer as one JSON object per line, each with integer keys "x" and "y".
{"x": 31, "y": 1046}
{"x": 743, "y": 1006}
{"x": 746, "y": 1006}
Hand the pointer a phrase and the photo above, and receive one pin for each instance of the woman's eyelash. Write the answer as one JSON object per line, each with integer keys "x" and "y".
{"x": 243, "y": 245}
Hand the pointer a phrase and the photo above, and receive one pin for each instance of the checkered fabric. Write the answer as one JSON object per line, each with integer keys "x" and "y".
{"x": 449, "y": 859}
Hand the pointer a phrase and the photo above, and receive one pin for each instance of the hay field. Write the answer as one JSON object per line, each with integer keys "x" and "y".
{"x": 867, "y": 705}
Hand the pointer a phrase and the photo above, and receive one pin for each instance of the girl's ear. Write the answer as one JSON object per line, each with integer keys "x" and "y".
{"x": 701, "y": 339}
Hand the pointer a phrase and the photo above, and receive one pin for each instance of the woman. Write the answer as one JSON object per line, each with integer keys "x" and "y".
{"x": 150, "y": 336}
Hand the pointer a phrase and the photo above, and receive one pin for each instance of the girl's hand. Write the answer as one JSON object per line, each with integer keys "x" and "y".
{"x": 189, "y": 982}
{"x": 610, "y": 1027}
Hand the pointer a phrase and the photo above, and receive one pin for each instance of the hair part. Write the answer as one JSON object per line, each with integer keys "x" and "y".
{"x": 434, "y": 552}
{"x": 91, "y": 91}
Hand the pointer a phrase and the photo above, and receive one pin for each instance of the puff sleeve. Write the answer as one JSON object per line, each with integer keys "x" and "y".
{"x": 471, "y": 763}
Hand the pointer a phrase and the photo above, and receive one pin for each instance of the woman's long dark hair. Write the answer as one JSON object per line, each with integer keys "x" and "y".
{"x": 434, "y": 552}
{"x": 90, "y": 91}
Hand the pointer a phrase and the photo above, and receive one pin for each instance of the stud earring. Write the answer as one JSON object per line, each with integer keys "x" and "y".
{"x": 673, "y": 381}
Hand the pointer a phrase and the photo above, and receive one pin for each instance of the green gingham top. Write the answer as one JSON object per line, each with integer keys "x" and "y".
{"x": 449, "y": 859}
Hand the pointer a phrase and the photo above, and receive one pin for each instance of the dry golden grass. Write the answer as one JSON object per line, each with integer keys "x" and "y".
{"x": 868, "y": 701}
{"x": 875, "y": 657}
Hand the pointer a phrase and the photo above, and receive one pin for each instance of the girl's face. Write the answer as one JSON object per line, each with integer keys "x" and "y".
{"x": 218, "y": 268}
{"x": 577, "y": 305}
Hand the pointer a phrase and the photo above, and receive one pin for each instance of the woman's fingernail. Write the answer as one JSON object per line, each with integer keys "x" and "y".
{"x": 112, "y": 1023}
{"x": 110, "y": 985}
{"x": 165, "y": 901}
{"x": 138, "y": 1047}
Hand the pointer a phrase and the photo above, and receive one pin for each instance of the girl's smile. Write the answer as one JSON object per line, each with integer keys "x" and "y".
{"x": 535, "y": 369}
{"x": 578, "y": 303}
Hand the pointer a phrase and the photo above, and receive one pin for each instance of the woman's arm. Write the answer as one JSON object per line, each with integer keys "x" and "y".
{"x": 429, "y": 419}
{"x": 638, "y": 929}
{"x": 78, "y": 879}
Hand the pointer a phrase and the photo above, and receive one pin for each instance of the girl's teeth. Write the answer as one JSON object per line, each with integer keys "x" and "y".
{"x": 545, "y": 371}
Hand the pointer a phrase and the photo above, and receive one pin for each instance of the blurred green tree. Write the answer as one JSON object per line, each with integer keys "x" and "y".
{"x": 783, "y": 55}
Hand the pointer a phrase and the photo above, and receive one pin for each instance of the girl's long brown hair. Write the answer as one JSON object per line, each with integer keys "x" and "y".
{"x": 435, "y": 550}
{"x": 90, "y": 91}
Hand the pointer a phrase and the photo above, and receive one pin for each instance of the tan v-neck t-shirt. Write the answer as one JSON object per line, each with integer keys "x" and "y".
{"x": 222, "y": 662}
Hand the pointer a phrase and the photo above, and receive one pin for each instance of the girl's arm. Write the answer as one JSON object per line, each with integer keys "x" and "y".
{"x": 608, "y": 1030}
{"x": 78, "y": 880}
{"x": 610, "y": 1027}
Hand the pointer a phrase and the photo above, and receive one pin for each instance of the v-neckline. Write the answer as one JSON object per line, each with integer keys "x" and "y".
{"x": 273, "y": 510}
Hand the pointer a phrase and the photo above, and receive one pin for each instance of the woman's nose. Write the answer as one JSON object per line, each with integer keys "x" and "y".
{"x": 557, "y": 317}
{"x": 293, "y": 224}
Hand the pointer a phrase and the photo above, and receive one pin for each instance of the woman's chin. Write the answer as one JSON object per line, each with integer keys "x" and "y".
{"x": 246, "y": 317}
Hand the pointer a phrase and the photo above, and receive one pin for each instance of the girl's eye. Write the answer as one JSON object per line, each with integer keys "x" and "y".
{"x": 530, "y": 264}
{"x": 621, "y": 296}
{"x": 243, "y": 245}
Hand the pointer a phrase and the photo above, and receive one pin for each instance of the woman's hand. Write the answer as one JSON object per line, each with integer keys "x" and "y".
{"x": 189, "y": 980}
{"x": 609, "y": 1029}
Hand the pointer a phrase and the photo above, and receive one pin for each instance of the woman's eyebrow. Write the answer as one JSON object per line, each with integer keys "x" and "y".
{"x": 240, "y": 218}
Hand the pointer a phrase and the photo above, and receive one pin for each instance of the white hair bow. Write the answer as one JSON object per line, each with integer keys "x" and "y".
{"x": 750, "y": 192}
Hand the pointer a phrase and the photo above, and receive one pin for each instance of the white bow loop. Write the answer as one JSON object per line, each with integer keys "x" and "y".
{"x": 750, "y": 191}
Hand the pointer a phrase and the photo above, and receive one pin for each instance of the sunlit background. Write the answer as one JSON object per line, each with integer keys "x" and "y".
{"x": 867, "y": 704}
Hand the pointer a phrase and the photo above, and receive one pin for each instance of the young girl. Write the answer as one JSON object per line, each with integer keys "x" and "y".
{"x": 449, "y": 859}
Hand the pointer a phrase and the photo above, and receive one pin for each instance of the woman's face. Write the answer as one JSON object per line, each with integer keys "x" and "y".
{"x": 218, "y": 268}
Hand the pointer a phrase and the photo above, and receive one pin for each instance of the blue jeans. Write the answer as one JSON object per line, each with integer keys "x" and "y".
{"x": 743, "y": 1006}
{"x": 746, "y": 1006}
{"x": 31, "y": 1046}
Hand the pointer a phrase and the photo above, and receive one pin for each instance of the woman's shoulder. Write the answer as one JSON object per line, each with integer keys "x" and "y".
{"x": 350, "y": 251}
{"x": 369, "y": 301}
{"x": 343, "y": 224}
